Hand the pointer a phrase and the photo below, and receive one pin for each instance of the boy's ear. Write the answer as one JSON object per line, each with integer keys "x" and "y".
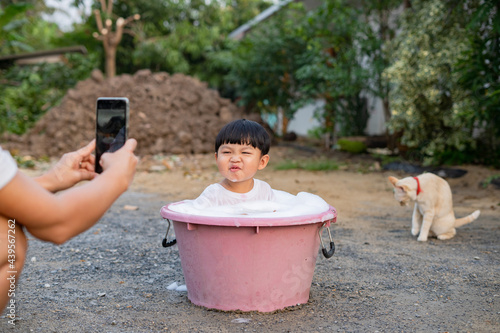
{"x": 264, "y": 159}
{"x": 215, "y": 156}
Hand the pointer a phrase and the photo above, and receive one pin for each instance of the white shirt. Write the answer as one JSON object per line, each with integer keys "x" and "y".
{"x": 218, "y": 195}
{"x": 8, "y": 167}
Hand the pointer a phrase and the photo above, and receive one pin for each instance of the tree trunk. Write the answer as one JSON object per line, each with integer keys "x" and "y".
{"x": 110, "y": 39}
{"x": 110, "y": 61}
{"x": 330, "y": 139}
{"x": 284, "y": 124}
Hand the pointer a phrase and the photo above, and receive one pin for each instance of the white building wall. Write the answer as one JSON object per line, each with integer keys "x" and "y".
{"x": 304, "y": 120}
{"x": 376, "y": 122}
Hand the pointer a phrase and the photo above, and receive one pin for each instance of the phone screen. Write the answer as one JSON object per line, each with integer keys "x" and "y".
{"x": 111, "y": 126}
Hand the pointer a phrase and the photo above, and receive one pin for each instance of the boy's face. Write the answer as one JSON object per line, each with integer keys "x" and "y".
{"x": 239, "y": 162}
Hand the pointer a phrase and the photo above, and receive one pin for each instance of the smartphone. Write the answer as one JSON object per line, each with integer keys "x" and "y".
{"x": 112, "y": 114}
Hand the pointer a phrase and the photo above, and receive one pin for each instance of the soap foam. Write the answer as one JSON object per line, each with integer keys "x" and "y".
{"x": 285, "y": 205}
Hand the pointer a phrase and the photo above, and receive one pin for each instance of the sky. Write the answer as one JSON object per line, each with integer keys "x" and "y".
{"x": 66, "y": 15}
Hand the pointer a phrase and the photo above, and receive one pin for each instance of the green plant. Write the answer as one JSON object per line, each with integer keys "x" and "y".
{"x": 295, "y": 58}
{"x": 428, "y": 105}
{"x": 11, "y": 24}
{"x": 29, "y": 91}
{"x": 350, "y": 146}
{"x": 479, "y": 76}
{"x": 385, "y": 159}
{"x": 488, "y": 180}
{"x": 184, "y": 36}
{"x": 265, "y": 61}
{"x": 288, "y": 165}
{"x": 24, "y": 162}
{"x": 331, "y": 65}
{"x": 309, "y": 165}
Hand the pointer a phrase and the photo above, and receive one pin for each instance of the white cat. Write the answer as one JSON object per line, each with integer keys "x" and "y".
{"x": 433, "y": 213}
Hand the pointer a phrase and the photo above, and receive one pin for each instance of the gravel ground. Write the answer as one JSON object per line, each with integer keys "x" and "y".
{"x": 114, "y": 278}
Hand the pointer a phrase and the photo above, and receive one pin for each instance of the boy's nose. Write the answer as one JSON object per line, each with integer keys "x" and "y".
{"x": 235, "y": 158}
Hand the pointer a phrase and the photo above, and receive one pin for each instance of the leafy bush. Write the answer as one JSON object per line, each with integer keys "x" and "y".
{"x": 297, "y": 57}
{"x": 331, "y": 65}
{"x": 355, "y": 147}
{"x": 265, "y": 61}
{"x": 428, "y": 106}
{"x": 27, "y": 92}
{"x": 445, "y": 77}
{"x": 480, "y": 76}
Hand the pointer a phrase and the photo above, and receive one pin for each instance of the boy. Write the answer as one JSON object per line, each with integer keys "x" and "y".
{"x": 241, "y": 149}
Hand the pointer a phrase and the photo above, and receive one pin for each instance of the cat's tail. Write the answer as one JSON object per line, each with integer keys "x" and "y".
{"x": 467, "y": 219}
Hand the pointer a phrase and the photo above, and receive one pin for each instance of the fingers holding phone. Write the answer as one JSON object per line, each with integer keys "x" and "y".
{"x": 121, "y": 162}
{"x": 113, "y": 150}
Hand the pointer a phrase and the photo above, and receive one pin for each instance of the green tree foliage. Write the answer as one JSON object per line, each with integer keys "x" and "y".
{"x": 27, "y": 92}
{"x": 445, "y": 98}
{"x": 186, "y": 36}
{"x": 337, "y": 41}
{"x": 12, "y": 21}
{"x": 265, "y": 62}
{"x": 428, "y": 105}
{"x": 380, "y": 14}
{"x": 480, "y": 76}
{"x": 22, "y": 29}
{"x": 443, "y": 64}
{"x": 296, "y": 57}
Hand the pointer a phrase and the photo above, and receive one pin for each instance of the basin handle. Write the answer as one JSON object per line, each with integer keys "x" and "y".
{"x": 164, "y": 242}
{"x": 327, "y": 254}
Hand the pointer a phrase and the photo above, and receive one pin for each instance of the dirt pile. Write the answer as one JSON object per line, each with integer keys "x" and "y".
{"x": 168, "y": 114}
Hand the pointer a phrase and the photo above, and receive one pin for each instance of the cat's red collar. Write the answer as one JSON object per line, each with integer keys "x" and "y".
{"x": 419, "y": 190}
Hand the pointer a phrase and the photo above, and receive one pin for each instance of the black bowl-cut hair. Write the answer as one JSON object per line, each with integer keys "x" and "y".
{"x": 244, "y": 131}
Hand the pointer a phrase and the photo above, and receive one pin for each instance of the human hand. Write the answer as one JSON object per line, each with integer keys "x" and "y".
{"x": 121, "y": 162}
{"x": 70, "y": 169}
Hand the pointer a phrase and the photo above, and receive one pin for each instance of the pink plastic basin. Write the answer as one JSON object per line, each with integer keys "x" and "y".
{"x": 248, "y": 264}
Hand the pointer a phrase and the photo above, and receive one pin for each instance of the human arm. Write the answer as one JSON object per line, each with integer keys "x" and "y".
{"x": 57, "y": 218}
